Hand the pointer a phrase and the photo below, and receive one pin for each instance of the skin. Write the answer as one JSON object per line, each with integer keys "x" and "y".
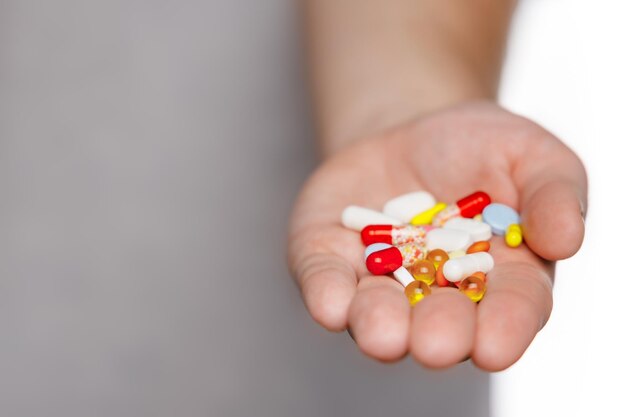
{"x": 377, "y": 64}
{"x": 406, "y": 107}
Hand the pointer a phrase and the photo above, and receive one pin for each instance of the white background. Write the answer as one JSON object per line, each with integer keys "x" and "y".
{"x": 565, "y": 69}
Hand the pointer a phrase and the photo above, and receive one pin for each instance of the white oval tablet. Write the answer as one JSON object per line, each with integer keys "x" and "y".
{"x": 456, "y": 269}
{"x": 448, "y": 240}
{"x": 356, "y": 218}
{"x": 406, "y": 206}
{"x": 375, "y": 247}
{"x": 478, "y": 230}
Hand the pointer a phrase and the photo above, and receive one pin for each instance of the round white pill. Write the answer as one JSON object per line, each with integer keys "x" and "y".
{"x": 456, "y": 269}
{"x": 356, "y": 218}
{"x": 479, "y": 231}
{"x": 406, "y": 206}
{"x": 448, "y": 240}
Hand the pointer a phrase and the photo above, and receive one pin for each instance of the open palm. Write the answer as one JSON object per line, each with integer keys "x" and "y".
{"x": 475, "y": 146}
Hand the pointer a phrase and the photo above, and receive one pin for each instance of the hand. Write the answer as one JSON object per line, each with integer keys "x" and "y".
{"x": 474, "y": 146}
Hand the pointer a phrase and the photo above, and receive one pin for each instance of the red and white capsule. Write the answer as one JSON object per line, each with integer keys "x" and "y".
{"x": 388, "y": 260}
{"x": 467, "y": 207}
{"x": 394, "y": 235}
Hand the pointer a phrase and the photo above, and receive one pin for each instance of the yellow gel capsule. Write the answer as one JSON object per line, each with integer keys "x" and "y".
{"x": 473, "y": 287}
{"x": 423, "y": 267}
{"x": 481, "y": 275}
{"x": 513, "y": 236}
{"x": 437, "y": 256}
{"x": 416, "y": 291}
{"x": 478, "y": 217}
{"x": 423, "y": 270}
{"x": 425, "y": 278}
{"x": 426, "y": 217}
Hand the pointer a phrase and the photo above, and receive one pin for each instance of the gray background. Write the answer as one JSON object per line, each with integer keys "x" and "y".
{"x": 149, "y": 154}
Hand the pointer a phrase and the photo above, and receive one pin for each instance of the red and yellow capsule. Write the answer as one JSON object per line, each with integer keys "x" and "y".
{"x": 394, "y": 235}
{"x": 467, "y": 207}
{"x": 388, "y": 260}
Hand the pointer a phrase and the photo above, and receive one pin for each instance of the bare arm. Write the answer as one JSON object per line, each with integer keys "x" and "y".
{"x": 379, "y": 63}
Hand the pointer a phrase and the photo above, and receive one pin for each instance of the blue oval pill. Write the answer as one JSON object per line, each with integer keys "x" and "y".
{"x": 499, "y": 217}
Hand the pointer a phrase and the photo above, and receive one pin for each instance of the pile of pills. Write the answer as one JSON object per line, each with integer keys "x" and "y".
{"x": 423, "y": 242}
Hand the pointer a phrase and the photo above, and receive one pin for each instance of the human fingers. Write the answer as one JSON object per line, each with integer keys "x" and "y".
{"x": 379, "y": 318}
{"x": 516, "y": 306}
{"x": 322, "y": 262}
{"x": 553, "y": 201}
{"x": 442, "y": 328}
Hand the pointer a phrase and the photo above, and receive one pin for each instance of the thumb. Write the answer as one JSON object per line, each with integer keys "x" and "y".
{"x": 554, "y": 203}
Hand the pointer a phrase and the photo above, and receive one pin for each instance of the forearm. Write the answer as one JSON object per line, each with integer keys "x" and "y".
{"x": 378, "y": 63}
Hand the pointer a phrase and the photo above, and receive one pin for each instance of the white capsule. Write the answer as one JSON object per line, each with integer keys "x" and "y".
{"x": 456, "y": 269}
{"x": 448, "y": 240}
{"x": 406, "y": 206}
{"x": 375, "y": 247}
{"x": 478, "y": 230}
{"x": 356, "y": 218}
{"x": 403, "y": 276}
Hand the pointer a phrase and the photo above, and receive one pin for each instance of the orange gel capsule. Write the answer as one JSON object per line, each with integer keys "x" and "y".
{"x": 423, "y": 270}
{"x": 482, "y": 246}
{"x": 428, "y": 279}
{"x": 416, "y": 291}
{"x": 423, "y": 267}
{"x": 437, "y": 257}
{"x": 481, "y": 275}
{"x": 441, "y": 280}
{"x": 473, "y": 287}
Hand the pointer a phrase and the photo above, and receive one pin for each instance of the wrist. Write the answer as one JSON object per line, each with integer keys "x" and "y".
{"x": 375, "y": 114}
